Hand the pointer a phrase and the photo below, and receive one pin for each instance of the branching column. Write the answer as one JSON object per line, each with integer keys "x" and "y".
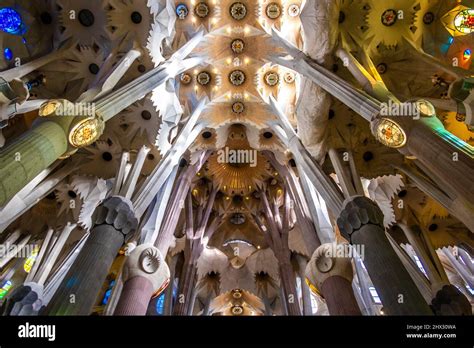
{"x": 447, "y": 299}
{"x": 193, "y": 249}
{"x": 277, "y": 238}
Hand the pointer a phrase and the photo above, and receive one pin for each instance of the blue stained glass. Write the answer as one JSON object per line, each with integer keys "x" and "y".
{"x": 8, "y": 54}
{"x": 160, "y": 304}
{"x": 10, "y": 21}
{"x": 182, "y": 11}
{"x": 107, "y": 294}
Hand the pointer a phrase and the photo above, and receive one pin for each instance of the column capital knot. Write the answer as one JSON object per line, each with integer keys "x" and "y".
{"x": 358, "y": 211}
{"x": 118, "y": 212}
{"x": 329, "y": 260}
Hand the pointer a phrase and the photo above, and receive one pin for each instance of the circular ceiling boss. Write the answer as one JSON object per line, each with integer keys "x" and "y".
{"x": 237, "y": 77}
{"x": 272, "y": 78}
{"x": 238, "y": 46}
{"x": 238, "y": 107}
{"x": 186, "y": 78}
{"x": 273, "y": 10}
{"x": 202, "y": 10}
{"x": 389, "y": 17}
{"x": 238, "y": 11}
{"x": 204, "y": 78}
{"x": 294, "y": 10}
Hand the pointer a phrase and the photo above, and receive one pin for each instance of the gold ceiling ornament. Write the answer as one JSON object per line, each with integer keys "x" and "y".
{"x": 389, "y": 17}
{"x": 202, "y": 10}
{"x": 273, "y": 10}
{"x": 238, "y": 11}
{"x": 186, "y": 78}
{"x": 237, "y": 310}
{"x": 238, "y": 46}
{"x": 50, "y": 107}
{"x": 238, "y": 178}
{"x": 238, "y": 107}
{"x": 289, "y": 78}
{"x": 204, "y": 78}
{"x": 237, "y": 294}
{"x": 272, "y": 78}
{"x": 391, "y": 134}
{"x": 426, "y": 108}
{"x": 237, "y": 77}
{"x": 86, "y": 132}
{"x": 247, "y": 305}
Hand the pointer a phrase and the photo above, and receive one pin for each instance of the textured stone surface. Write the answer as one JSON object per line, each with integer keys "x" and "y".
{"x": 117, "y": 212}
{"x": 357, "y": 212}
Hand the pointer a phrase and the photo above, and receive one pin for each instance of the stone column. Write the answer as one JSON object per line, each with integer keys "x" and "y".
{"x": 305, "y": 291}
{"x": 445, "y": 155}
{"x": 145, "y": 275}
{"x": 361, "y": 223}
{"x": 46, "y": 143}
{"x": 332, "y": 277}
{"x": 114, "y": 220}
{"x": 27, "y": 157}
{"x": 446, "y": 159}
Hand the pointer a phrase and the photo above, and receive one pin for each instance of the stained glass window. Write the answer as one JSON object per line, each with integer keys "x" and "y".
{"x": 4, "y": 290}
{"x": 8, "y": 54}
{"x": 464, "y": 21}
{"x": 106, "y": 298}
{"x": 182, "y": 11}
{"x": 11, "y": 21}
{"x": 160, "y": 304}
{"x": 467, "y": 54}
{"x": 375, "y": 295}
{"x": 31, "y": 260}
